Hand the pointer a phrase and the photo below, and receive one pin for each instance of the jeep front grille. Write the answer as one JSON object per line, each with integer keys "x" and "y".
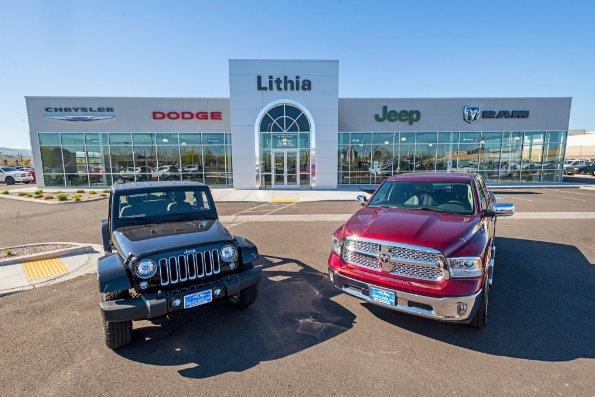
{"x": 406, "y": 260}
{"x": 176, "y": 269}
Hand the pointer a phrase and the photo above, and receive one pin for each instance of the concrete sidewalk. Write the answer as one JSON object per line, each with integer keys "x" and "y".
{"x": 38, "y": 272}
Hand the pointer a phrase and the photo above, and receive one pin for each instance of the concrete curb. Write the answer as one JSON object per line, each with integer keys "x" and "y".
{"x": 34, "y": 200}
{"x": 77, "y": 250}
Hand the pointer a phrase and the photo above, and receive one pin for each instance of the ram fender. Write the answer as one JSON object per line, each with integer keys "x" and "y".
{"x": 112, "y": 275}
{"x": 248, "y": 251}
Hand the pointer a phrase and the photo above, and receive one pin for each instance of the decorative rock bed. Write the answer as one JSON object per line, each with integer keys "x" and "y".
{"x": 33, "y": 249}
{"x": 56, "y": 196}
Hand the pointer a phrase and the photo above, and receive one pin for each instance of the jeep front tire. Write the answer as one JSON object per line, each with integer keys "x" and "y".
{"x": 245, "y": 298}
{"x": 117, "y": 333}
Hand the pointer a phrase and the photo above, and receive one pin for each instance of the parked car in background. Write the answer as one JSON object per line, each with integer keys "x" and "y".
{"x": 424, "y": 245}
{"x": 10, "y": 176}
{"x": 30, "y": 170}
{"x": 588, "y": 169}
{"x": 571, "y": 166}
{"x": 166, "y": 253}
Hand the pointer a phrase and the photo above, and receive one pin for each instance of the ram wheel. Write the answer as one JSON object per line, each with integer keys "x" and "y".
{"x": 481, "y": 317}
{"x": 9, "y": 180}
{"x": 117, "y": 333}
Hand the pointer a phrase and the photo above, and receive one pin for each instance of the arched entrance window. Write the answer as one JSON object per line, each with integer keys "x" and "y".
{"x": 284, "y": 136}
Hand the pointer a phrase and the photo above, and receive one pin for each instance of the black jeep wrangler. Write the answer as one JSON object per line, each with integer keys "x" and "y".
{"x": 167, "y": 252}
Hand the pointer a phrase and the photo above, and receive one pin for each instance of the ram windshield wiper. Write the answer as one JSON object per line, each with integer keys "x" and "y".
{"x": 436, "y": 210}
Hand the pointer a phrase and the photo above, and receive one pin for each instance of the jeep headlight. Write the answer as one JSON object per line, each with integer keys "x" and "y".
{"x": 336, "y": 245}
{"x": 146, "y": 268}
{"x": 465, "y": 266}
{"x": 228, "y": 253}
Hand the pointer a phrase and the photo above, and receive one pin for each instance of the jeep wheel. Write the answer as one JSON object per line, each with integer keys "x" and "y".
{"x": 117, "y": 333}
{"x": 9, "y": 180}
{"x": 481, "y": 318}
{"x": 245, "y": 298}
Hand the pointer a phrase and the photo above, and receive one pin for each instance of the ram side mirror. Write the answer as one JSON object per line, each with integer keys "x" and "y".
{"x": 105, "y": 237}
{"x": 361, "y": 199}
{"x": 504, "y": 209}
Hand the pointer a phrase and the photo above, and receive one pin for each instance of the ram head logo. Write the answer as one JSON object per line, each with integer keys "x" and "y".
{"x": 471, "y": 114}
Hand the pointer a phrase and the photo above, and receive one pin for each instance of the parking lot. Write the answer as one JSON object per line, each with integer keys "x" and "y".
{"x": 302, "y": 336}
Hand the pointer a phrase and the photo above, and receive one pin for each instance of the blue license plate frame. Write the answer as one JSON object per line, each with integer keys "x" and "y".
{"x": 198, "y": 298}
{"x": 383, "y": 296}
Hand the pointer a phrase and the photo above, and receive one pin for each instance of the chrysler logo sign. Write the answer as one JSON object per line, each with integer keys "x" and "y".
{"x": 80, "y": 113}
{"x": 472, "y": 113}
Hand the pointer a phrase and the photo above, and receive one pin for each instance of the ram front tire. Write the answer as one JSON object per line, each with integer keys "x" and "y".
{"x": 9, "y": 180}
{"x": 117, "y": 333}
{"x": 481, "y": 317}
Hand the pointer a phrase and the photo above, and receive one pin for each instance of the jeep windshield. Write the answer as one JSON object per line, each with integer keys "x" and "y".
{"x": 421, "y": 195}
{"x": 162, "y": 205}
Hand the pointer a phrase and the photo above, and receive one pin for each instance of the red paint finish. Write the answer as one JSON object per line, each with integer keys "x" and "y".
{"x": 454, "y": 235}
{"x": 187, "y": 115}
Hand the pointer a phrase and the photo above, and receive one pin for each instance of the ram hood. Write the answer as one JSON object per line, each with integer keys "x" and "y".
{"x": 163, "y": 237}
{"x": 445, "y": 232}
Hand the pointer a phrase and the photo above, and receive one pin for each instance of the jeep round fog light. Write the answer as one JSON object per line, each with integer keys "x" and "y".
{"x": 145, "y": 268}
{"x": 461, "y": 308}
{"x": 218, "y": 291}
{"x": 143, "y": 285}
{"x": 176, "y": 303}
{"x": 232, "y": 265}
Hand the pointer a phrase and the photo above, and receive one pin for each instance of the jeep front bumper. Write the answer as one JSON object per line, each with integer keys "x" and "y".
{"x": 460, "y": 308}
{"x": 152, "y": 305}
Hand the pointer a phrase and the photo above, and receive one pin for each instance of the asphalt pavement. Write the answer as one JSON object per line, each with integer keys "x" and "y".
{"x": 302, "y": 336}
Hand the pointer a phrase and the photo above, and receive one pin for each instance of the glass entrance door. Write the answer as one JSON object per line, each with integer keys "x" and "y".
{"x": 285, "y": 168}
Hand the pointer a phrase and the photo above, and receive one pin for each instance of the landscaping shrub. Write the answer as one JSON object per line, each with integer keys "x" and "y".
{"x": 62, "y": 197}
{"x": 80, "y": 191}
{"x": 38, "y": 191}
{"x": 8, "y": 253}
{"x": 48, "y": 197}
{"x": 104, "y": 194}
{"x": 5, "y": 192}
{"x": 105, "y": 190}
{"x": 37, "y": 196}
{"x": 92, "y": 192}
{"x": 76, "y": 197}
{"x": 21, "y": 194}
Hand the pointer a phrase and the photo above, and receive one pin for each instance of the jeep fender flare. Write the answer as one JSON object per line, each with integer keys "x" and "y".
{"x": 112, "y": 274}
{"x": 248, "y": 251}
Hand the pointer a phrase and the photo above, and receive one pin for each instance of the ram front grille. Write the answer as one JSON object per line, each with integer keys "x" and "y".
{"x": 403, "y": 260}
{"x": 180, "y": 268}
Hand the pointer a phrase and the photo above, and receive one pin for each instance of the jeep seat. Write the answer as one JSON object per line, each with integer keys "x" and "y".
{"x": 180, "y": 205}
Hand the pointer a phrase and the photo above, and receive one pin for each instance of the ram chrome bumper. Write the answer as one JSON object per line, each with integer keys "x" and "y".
{"x": 150, "y": 306}
{"x": 461, "y": 308}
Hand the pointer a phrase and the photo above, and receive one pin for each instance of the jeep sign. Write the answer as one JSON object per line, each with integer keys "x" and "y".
{"x": 404, "y": 116}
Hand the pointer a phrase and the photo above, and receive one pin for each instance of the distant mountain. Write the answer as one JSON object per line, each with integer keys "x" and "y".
{"x": 6, "y": 151}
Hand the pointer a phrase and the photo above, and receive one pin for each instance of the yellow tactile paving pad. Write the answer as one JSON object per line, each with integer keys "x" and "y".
{"x": 46, "y": 268}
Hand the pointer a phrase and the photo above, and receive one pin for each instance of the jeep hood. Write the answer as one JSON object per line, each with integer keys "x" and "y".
{"x": 445, "y": 232}
{"x": 162, "y": 237}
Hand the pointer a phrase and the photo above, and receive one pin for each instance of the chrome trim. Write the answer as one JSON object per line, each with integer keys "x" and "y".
{"x": 199, "y": 270}
{"x": 443, "y": 309}
{"x": 397, "y": 260}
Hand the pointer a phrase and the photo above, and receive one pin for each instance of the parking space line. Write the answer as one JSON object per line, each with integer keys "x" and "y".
{"x": 512, "y": 197}
{"x": 46, "y": 268}
{"x": 568, "y": 191}
{"x": 564, "y": 197}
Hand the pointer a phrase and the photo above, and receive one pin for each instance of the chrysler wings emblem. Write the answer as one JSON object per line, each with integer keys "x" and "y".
{"x": 384, "y": 261}
{"x": 471, "y": 114}
{"x": 79, "y": 117}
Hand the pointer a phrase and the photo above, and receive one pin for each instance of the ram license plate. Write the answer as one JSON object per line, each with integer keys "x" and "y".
{"x": 198, "y": 298}
{"x": 383, "y": 296}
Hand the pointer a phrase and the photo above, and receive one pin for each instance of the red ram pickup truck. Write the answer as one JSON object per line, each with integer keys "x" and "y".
{"x": 423, "y": 244}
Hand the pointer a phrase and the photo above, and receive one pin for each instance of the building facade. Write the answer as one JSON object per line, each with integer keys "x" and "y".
{"x": 285, "y": 126}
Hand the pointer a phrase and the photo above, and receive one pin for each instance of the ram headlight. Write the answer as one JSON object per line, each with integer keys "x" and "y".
{"x": 336, "y": 245}
{"x": 146, "y": 268}
{"x": 228, "y": 253}
{"x": 465, "y": 266}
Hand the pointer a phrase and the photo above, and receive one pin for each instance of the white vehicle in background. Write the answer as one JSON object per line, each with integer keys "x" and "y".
{"x": 575, "y": 163}
{"x": 10, "y": 176}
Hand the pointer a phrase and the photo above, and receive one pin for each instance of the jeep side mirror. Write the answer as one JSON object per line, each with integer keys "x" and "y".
{"x": 105, "y": 237}
{"x": 361, "y": 200}
{"x": 504, "y": 209}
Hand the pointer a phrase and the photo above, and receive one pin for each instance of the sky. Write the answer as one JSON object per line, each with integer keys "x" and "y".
{"x": 385, "y": 49}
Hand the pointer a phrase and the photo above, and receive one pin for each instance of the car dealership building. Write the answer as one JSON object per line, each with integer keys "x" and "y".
{"x": 285, "y": 126}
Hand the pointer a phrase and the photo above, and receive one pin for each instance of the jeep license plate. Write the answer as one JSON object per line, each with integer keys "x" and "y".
{"x": 383, "y": 296}
{"x": 198, "y": 298}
